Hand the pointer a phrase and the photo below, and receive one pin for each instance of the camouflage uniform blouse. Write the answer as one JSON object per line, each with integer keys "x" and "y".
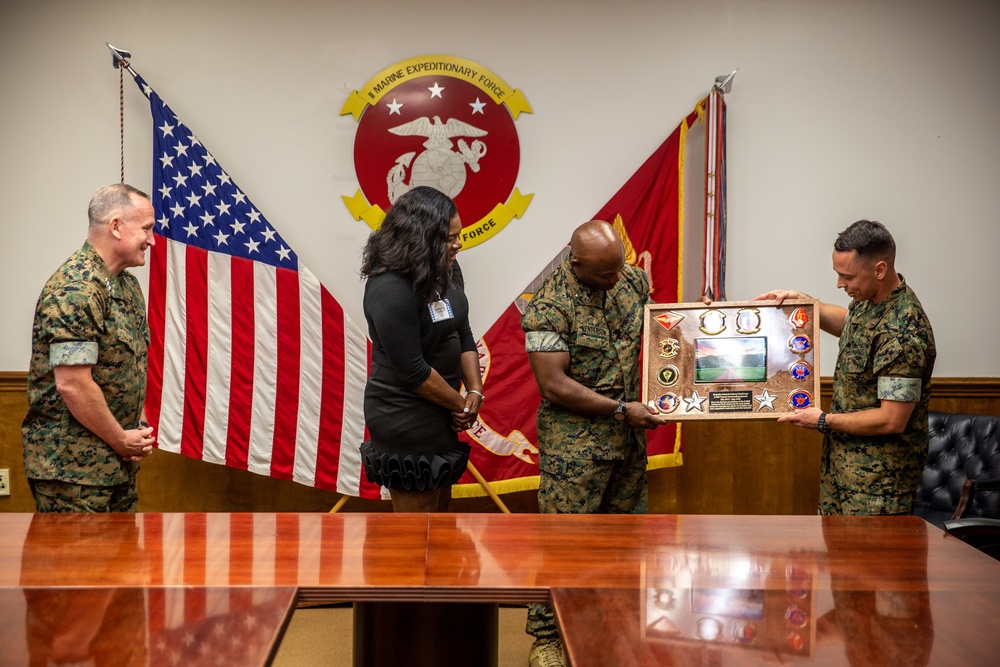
{"x": 84, "y": 316}
{"x": 886, "y": 353}
{"x": 602, "y": 333}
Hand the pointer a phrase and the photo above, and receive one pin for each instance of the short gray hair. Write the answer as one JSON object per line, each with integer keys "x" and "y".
{"x": 111, "y": 199}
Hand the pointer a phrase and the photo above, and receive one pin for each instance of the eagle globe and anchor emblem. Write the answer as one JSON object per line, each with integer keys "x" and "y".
{"x": 439, "y": 166}
{"x": 443, "y": 122}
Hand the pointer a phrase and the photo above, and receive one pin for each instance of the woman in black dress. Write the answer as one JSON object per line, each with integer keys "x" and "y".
{"x": 422, "y": 352}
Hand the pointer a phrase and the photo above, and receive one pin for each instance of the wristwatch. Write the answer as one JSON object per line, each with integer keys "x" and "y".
{"x": 821, "y": 424}
{"x": 619, "y": 412}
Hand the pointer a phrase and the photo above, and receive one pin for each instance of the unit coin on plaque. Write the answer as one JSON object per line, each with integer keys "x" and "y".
{"x": 731, "y": 359}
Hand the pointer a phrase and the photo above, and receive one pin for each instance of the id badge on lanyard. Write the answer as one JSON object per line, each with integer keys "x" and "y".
{"x": 440, "y": 310}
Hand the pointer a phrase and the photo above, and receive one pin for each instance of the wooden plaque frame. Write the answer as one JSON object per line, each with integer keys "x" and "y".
{"x": 731, "y": 359}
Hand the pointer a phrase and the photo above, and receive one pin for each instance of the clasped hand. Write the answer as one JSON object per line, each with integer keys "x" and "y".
{"x": 463, "y": 420}
{"x": 137, "y": 444}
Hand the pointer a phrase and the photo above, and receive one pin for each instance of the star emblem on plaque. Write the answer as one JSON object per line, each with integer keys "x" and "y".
{"x": 731, "y": 360}
{"x": 694, "y": 402}
{"x": 765, "y": 400}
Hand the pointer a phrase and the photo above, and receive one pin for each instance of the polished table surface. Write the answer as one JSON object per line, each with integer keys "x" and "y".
{"x": 134, "y": 627}
{"x": 627, "y": 589}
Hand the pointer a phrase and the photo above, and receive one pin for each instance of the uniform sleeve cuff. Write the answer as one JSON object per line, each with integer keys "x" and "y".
{"x": 904, "y": 390}
{"x": 73, "y": 353}
{"x": 544, "y": 341}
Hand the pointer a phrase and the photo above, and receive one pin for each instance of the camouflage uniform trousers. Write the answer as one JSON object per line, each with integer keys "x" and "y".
{"x": 52, "y": 495}
{"x": 866, "y": 481}
{"x": 580, "y": 486}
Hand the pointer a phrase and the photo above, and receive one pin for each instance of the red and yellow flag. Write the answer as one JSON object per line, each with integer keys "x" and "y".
{"x": 648, "y": 213}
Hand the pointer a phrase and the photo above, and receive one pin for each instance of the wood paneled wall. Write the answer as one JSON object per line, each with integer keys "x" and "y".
{"x": 730, "y": 467}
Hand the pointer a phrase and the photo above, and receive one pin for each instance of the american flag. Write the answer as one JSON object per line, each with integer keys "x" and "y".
{"x": 252, "y": 363}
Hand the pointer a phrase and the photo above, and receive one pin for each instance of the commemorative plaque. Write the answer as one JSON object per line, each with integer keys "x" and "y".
{"x": 731, "y": 359}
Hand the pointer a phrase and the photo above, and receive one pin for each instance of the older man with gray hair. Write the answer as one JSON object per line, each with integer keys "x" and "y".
{"x": 83, "y": 434}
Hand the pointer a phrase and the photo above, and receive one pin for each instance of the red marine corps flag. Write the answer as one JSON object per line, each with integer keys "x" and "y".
{"x": 647, "y": 212}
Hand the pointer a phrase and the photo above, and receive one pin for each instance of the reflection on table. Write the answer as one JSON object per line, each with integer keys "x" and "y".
{"x": 627, "y": 589}
{"x": 138, "y": 627}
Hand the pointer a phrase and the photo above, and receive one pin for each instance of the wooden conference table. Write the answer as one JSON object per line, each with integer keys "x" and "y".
{"x": 628, "y": 590}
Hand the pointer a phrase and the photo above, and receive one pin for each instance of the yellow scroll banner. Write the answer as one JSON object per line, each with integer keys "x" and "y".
{"x": 472, "y": 235}
{"x": 453, "y": 66}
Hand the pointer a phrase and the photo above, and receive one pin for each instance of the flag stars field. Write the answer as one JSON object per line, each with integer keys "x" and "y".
{"x": 194, "y": 185}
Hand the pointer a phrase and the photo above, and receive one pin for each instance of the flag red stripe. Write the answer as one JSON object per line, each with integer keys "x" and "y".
{"x": 194, "y": 565}
{"x": 289, "y": 352}
{"x": 287, "y": 532}
{"x": 241, "y": 384}
{"x": 157, "y": 306}
{"x": 240, "y": 553}
{"x": 196, "y": 346}
{"x": 332, "y": 400}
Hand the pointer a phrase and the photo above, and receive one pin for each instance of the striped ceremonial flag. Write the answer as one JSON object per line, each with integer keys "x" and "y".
{"x": 252, "y": 364}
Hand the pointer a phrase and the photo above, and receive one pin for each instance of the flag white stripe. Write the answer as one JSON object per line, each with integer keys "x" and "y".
{"x": 174, "y": 349}
{"x": 311, "y": 534}
{"x": 217, "y": 539}
{"x": 173, "y": 550}
{"x": 355, "y": 379}
{"x": 264, "y": 548}
{"x": 265, "y": 390}
{"x": 310, "y": 377}
{"x": 220, "y": 353}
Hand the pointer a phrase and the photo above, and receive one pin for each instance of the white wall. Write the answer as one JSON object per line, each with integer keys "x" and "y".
{"x": 841, "y": 110}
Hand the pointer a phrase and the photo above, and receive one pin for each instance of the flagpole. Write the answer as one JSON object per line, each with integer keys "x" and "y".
{"x": 120, "y": 59}
{"x": 713, "y": 267}
{"x": 483, "y": 483}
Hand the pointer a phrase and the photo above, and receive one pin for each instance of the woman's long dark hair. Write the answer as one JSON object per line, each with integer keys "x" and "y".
{"x": 412, "y": 240}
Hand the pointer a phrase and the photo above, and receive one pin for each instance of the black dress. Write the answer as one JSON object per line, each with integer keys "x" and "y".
{"x": 413, "y": 446}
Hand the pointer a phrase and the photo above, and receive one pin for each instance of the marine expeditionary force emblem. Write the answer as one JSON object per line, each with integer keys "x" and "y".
{"x": 445, "y": 122}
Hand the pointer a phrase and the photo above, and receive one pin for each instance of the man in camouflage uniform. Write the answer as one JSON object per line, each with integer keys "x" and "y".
{"x": 83, "y": 434}
{"x": 583, "y": 333}
{"x": 876, "y": 439}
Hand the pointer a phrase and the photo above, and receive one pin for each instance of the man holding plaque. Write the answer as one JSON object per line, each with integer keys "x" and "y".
{"x": 583, "y": 334}
{"x": 876, "y": 437}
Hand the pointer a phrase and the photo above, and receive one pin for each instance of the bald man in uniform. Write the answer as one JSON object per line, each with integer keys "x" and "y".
{"x": 83, "y": 434}
{"x": 583, "y": 333}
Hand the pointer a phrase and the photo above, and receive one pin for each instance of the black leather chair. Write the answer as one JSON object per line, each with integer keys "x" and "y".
{"x": 960, "y": 487}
